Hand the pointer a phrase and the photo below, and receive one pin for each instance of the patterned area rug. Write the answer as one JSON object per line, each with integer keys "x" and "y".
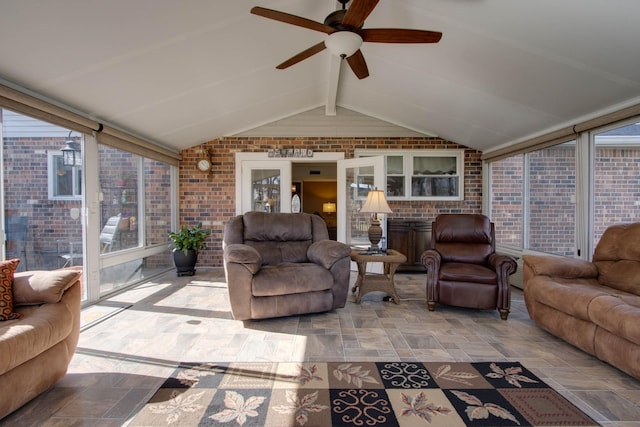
{"x": 357, "y": 394}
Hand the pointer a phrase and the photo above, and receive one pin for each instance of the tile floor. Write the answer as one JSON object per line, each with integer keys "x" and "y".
{"x": 121, "y": 361}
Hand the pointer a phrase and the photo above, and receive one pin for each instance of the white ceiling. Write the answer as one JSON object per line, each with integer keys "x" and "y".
{"x": 185, "y": 72}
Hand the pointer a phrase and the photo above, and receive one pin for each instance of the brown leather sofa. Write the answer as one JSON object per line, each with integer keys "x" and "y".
{"x": 593, "y": 305}
{"x": 282, "y": 264}
{"x": 35, "y": 350}
{"x": 463, "y": 268}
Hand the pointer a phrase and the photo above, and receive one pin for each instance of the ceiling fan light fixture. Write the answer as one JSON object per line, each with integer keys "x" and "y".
{"x": 343, "y": 43}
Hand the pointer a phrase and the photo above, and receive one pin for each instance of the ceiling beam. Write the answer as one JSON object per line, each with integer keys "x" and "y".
{"x": 335, "y": 63}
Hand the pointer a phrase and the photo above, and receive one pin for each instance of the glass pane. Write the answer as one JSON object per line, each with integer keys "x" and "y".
{"x": 434, "y": 165}
{"x": 507, "y": 190}
{"x": 365, "y": 170}
{"x": 552, "y": 189}
{"x": 119, "y": 183}
{"x": 395, "y": 165}
{"x": 119, "y": 276}
{"x": 617, "y": 178}
{"x": 42, "y": 209}
{"x": 265, "y": 190}
{"x": 434, "y": 186}
{"x": 157, "y": 196}
{"x": 63, "y": 178}
{"x": 395, "y": 186}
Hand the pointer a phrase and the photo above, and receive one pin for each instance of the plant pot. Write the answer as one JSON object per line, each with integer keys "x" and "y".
{"x": 185, "y": 264}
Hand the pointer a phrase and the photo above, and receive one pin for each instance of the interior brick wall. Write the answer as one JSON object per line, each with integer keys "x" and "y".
{"x": 210, "y": 197}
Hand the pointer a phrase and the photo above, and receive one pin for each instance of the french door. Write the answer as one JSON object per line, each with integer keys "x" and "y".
{"x": 355, "y": 178}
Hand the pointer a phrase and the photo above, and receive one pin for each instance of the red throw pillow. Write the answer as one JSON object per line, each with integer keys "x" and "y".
{"x": 7, "y": 268}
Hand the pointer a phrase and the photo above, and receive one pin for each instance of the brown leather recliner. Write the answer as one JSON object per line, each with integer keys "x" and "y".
{"x": 283, "y": 264}
{"x": 463, "y": 269}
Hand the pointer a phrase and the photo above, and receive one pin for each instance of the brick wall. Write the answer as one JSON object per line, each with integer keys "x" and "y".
{"x": 211, "y": 197}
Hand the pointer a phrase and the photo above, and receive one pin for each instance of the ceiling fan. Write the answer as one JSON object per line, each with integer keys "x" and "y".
{"x": 345, "y": 34}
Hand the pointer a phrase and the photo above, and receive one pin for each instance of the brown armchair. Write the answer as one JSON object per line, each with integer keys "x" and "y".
{"x": 463, "y": 269}
{"x": 283, "y": 264}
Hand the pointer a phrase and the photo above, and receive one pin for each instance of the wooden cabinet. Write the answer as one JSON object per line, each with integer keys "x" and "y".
{"x": 409, "y": 237}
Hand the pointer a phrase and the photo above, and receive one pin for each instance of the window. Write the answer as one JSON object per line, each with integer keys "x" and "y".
{"x": 616, "y": 177}
{"x": 533, "y": 200}
{"x": 422, "y": 174}
{"x": 551, "y": 208}
{"x": 507, "y": 201}
{"x": 65, "y": 182}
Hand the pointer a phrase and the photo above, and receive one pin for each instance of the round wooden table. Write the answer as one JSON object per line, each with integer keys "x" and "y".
{"x": 369, "y": 282}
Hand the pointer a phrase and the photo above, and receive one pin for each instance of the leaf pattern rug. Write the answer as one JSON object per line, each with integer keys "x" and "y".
{"x": 318, "y": 394}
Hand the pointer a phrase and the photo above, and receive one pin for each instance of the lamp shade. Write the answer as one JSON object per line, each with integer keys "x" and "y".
{"x": 376, "y": 203}
{"x": 343, "y": 43}
{"x": 329, "y": 207}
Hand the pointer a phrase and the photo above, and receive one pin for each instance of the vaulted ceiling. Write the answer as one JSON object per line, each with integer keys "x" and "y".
{"x": 185, "y": 72}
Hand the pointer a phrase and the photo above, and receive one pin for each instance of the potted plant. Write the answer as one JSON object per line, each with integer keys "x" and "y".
{"x": 186, "y": 244}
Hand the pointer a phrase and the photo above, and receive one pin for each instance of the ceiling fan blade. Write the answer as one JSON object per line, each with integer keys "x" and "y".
{"x": 358, "y": 12}
{"x": 399, "y": 35}
{"x": 302, "y": 55}
{"x": 292, "y": 19}
{"x": 358, "y": 65}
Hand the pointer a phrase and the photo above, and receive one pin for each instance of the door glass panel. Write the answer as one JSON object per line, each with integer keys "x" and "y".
{"x": 265, "y": 190}
{"x": 356, "y": 189}
{"x": 119, "y": 184}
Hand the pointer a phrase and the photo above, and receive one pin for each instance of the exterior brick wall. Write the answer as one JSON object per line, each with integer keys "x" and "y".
{"x": 211, "y": 197}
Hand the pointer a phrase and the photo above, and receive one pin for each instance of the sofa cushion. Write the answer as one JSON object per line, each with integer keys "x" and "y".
{"x": 568, "y": 296}
{"x": 618, "y": 314}
{"x": 7, "y": 269}
{"x": 41, "y": 327}
{"x": 291, "y": 278}
{"x": 617, "y": 257}
{"x": 42, "y": 287}
{"x": 462, "y": 272}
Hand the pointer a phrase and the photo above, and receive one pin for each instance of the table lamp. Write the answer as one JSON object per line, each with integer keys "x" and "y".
{"x": 376, "y": 203}
{"x": 329, "y": 208}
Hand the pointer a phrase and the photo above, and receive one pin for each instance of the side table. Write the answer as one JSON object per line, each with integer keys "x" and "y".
{"x": 376, "y": 282}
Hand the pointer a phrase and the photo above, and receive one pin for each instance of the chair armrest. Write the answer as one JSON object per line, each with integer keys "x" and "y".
{"x": 570, "y": 268}
{"x": 431, "y": 259}
{"x": 327, "y": 252}
{"x": 504, "y": 265}
{"x": 243, "y": 254}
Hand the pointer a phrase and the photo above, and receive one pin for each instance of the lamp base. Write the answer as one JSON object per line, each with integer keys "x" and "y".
{"x": 375, "y": 234}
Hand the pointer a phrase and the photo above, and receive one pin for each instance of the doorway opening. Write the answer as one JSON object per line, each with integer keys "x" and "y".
{"x": 316, "y": 185}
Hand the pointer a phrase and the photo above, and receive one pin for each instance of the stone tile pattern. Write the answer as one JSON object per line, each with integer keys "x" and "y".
{"x": 121, "y": 362}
